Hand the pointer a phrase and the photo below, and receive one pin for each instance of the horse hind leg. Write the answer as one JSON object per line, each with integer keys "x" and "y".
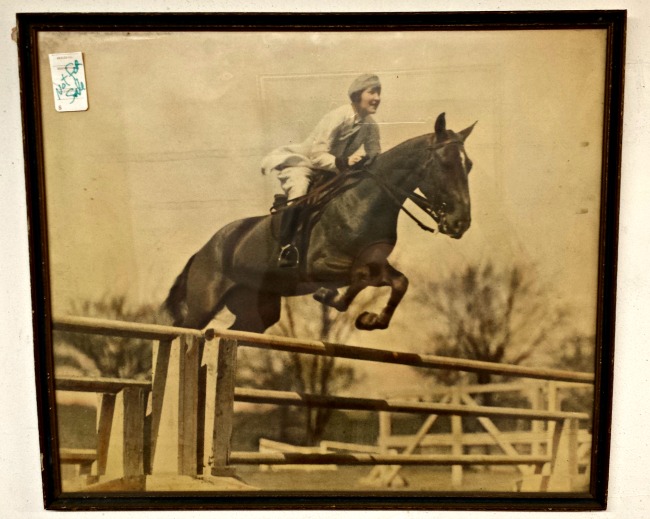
{"x": 204, "y": 299}
{"x": 254, "y": 311}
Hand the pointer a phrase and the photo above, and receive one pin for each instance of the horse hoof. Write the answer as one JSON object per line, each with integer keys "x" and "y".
{"x": 323, "y": 295}
{"x": 369, "y": 321}
{"x": 329, "y": 297}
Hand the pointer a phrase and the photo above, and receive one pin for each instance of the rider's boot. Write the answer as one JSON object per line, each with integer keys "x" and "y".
{"x": 289, "y": 256}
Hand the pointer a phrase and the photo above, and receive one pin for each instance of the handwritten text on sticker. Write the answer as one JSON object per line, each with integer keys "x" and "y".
{"x": 69, "y": 82}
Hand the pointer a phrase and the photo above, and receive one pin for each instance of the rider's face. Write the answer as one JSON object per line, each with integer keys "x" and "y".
{"x": 369, "y": 101}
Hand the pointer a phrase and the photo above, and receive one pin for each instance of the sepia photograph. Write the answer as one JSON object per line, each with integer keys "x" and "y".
{"x": 274, "y": 257}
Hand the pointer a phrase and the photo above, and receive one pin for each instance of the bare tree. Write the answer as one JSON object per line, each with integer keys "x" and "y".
{"x": 97, "y": 355}
{"x": 577, "y": 352}
{"x": 489, "y": 314}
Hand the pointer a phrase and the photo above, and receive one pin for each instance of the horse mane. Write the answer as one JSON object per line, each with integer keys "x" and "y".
{"x": 398, "y": 153}
{"x": 408, "y": 142}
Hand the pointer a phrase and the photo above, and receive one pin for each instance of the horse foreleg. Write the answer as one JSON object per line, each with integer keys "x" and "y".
{"x": 398, "y": 283}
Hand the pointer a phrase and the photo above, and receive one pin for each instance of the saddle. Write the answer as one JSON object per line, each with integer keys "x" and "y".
{"x": 325, "y": 187}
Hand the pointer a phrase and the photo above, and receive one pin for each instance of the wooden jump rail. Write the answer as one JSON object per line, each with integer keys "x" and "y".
{"x": 111, "y": 328}
{"x": 100, "y": 385}
{"x": 190, "y": 461}
{"x": 296, "y": 458}
{"x": 263, "y": 396}
{"x": 158, "y": 332}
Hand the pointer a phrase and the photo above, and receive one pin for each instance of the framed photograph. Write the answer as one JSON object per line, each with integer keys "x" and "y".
{"x": 323, "y": 260}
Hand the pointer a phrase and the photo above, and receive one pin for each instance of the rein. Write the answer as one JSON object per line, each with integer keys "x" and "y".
{"x": 329, "y": 188}
{"x": 420, "y": 201}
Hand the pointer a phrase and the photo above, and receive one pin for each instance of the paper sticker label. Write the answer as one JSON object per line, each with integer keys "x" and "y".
{"x": 69, "y": 82}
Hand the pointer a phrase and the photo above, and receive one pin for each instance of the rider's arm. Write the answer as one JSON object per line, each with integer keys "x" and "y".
{"x": 321, "y": 141}
{"x": 369, "y": 149}
{"x": 372, "y": 145}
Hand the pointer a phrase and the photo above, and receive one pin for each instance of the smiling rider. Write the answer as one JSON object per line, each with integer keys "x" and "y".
{"x": 345, "y": 139}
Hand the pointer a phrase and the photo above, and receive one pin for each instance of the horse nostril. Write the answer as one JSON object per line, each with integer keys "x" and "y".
{"x": 461, "y": 225}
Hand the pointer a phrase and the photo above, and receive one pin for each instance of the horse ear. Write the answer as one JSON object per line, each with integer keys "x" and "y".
{"x": 441, "y": 127}
{"x": 465, "y": 133}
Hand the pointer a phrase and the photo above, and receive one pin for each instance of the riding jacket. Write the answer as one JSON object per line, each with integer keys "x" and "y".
{"x": 338, "y": 135}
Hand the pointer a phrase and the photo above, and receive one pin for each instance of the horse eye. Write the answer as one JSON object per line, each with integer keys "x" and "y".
{"x": 468, "y": 165}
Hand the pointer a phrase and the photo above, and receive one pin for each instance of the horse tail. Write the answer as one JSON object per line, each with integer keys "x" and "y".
{"x": 175, "y": 306}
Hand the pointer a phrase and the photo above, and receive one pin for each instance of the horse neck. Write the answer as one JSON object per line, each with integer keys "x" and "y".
{"x": 399, "y": 166}
{"x": 381, "y": 204}
{"x": 368, "y": 211}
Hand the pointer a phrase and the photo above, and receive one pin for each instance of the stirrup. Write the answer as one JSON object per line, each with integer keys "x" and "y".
{"x": 289, "y": 256}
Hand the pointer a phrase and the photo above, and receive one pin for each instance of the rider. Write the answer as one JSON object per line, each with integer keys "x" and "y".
{"x": 345, "y": 138}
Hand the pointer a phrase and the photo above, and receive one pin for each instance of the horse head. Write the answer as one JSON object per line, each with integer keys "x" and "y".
{"x": 444, "y": 179}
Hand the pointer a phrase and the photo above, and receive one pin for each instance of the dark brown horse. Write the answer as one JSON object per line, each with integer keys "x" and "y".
{"x": 349, "y": 243}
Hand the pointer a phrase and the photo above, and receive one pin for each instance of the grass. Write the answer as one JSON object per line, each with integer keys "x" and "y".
{"x": 347, "y": 478}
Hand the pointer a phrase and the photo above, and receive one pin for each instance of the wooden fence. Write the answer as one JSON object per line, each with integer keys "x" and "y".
{"x": 536, "y": 440}
{"x": 181, "y": 432}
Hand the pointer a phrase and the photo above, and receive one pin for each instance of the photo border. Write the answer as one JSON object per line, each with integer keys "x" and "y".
{"x": 29, "y": 25}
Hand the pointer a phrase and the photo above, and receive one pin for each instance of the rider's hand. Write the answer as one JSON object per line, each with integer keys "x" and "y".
{"x": 354, "y": 159}
{"x": 344, "y": 164}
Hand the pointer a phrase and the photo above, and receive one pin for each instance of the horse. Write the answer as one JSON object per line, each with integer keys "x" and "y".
{"x": 349, "y": 242}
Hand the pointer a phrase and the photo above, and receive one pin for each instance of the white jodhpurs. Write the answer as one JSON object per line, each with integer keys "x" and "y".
{"x": 295, "y": 180}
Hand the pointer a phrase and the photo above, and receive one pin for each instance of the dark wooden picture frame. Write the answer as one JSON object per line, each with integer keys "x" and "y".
{"x": 132, "y": 411}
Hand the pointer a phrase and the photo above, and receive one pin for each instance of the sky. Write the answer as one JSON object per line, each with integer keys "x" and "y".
{"x": 170, "y": 147}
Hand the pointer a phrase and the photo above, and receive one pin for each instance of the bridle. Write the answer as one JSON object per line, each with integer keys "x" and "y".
{"x": 395, "y": 192}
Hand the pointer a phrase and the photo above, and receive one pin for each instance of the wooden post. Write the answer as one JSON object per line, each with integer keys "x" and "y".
{"x": 133, "y": 451}
{"x": 376, "y": 474}
{"x": 104, "y": 426}
{"x": 572, "y": 448}
{"x": 553, "y": 405}
{"x": 537, "y": 426}
{"x": 564, "y": 464}
{"x": 223, "y": 407}
{"x": 385, "y": 432}
{"x": 188, "y": 401}
{"x": 457, "y": 440}
{"x": 161, "y": 362}
{"x": 208, "y": 395}
{"x": 165, "y": 418}
{"x": 200, "y": 432}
